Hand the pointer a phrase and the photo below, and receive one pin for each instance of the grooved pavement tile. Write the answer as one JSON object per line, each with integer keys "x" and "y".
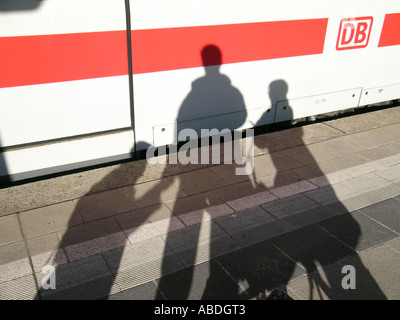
{"x": 22, "y": 288}
{"x": 200, "y": 242}
{"x": 205, "y": 281}
{"x": 146, "y": 291}
{"x": 141, "y": 262}
{"x": 88, "y": 278}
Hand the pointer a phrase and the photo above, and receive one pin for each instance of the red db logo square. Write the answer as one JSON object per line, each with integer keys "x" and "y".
{"x": 354, "y": 33}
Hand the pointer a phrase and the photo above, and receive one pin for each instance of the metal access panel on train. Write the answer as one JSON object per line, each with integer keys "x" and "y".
{"x": 316, "y": 105}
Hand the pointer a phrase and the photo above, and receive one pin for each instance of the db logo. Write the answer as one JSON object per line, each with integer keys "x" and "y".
{"x": 354, "y": 33}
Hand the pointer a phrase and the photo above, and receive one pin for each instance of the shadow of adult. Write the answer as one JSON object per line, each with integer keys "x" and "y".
{"x": 309, "y": 243}
{"x": 212, "y": 103}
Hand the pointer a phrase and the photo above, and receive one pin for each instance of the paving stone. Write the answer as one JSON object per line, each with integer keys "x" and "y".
{"x": 194, "y": 203}
{"x": 292, "y": 189}
{"x": 309, "y": 154}
{"x": 312, "y": 247}
{"x": 318, "y": 132}
{"x": 206, "y": 214}
{"x": 49, "y": 219}
{"x": 385, "y": 212}
{"x": 358, "y": 231}
{"x": 251, "y": 226}
{"x": 297, "y": 211}
{"x": 156, "y": 192}
{"x": 369, "y": 139}
{"x": 365, "y": 183}
{"x": 273, "y": 163}
{"x": 227, "y": 172}
{"x": 143, "y": 216}
{"x": 377, "y": 153}
{"x": 395, "y": 245}
{"x": 390, "y": 132}
{"x": 45, "y": 250}
{"x": 197, "y": 181}
{"x": 238, "y": 190}
{"x": 389, "y": 161}
{"x": 10, "y": 229}
{"x": 279, "y": 179}
{"x": 338, "y": 199}
{"x": 88, "y": 231}
{"x": 154, "y": 229}
{"x": 337, "y": 147}
{"x": 252, "y": 201}
{"x": 106, "y": 204}
{"x": 391, "y": 174}
{"x": 330, "y": 179}
{"x": 383, "y": 264}
{"x": 91, "y": 238}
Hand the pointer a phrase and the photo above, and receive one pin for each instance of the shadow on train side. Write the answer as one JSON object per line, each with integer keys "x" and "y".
{"x": 240, "y": 274}
{"x": 19, "y": 5}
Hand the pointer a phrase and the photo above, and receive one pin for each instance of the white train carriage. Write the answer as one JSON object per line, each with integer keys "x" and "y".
{"x": 82, "y": 82}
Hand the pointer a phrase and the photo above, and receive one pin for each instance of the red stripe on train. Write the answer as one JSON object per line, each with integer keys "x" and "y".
{"x": 390, "y": 35}
{"x": 178, "y": 48}
{"x": 28, "y": 60}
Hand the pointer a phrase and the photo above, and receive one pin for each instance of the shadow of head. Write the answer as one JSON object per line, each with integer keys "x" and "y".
{"x": 211, "y": 56}
{"x": 278, "y": 90}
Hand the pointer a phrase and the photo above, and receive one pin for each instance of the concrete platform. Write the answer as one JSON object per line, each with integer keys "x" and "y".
{"x": 322, "y": 197}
